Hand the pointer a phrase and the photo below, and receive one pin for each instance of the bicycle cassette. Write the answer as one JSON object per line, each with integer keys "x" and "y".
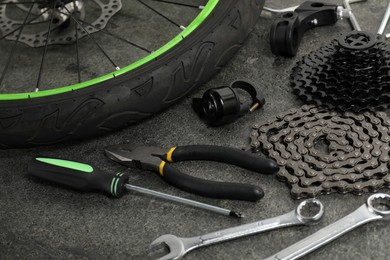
{"x": 351, "y": 73}
{"x": 321, "y": 152}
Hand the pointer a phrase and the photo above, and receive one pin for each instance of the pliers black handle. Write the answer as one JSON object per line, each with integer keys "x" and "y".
{"x": 156, "y": 159}
{"x": 222, "y": 154}
{"x": 221, "y": 190}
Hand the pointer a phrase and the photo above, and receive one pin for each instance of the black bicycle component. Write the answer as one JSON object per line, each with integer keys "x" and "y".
{"x": 222, "y": 105}
{"x": 289, "y": 28}
{"x": 351, "y": 73}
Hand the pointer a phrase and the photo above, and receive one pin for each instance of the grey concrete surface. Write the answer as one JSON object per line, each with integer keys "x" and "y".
{"x": 43, "y": 221}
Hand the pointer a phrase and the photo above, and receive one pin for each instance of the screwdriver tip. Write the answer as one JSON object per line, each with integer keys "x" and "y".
{"x": 236, "y": 214}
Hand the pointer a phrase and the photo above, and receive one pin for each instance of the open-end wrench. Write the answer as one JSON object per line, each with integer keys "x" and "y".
{"x": 377, "y": 207}
{"x": 307, "y": 212}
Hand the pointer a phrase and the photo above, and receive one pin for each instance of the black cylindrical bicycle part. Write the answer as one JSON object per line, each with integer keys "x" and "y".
{"x": 222, "y": 105}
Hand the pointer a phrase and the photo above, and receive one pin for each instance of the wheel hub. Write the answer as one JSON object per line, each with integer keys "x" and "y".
{"x": 60, "y": 10}
{"x": 61, "y": 13}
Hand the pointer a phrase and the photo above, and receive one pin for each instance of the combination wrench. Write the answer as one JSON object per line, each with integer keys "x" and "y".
{"x": 377, "y": 207}
{"x": 307, "y": 212}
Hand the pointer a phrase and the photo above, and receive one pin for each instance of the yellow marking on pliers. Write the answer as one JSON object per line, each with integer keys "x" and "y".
{"x": 161, "y": 168}
{"x": 169, "y": 154}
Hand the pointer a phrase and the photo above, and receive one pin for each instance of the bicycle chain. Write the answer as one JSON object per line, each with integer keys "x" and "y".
{"x": 350, "y": 73}
{"x": 356, "y": 159}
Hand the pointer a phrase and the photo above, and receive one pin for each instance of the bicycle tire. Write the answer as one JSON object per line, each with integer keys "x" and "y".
{"x": 132, "y": 96}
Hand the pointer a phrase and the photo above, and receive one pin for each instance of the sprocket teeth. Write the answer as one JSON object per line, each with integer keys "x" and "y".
{"x": 351, "y": 73}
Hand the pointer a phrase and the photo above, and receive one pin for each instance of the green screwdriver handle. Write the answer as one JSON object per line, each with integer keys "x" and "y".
{"x": 79, "y": 176}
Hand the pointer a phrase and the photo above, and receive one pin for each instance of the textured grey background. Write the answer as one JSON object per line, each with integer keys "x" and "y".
{"x": 42, "y": 221}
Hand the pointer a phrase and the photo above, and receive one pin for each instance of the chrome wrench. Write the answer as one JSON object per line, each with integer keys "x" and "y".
{"x": 307, "y": 212}
{"x": 377, "y": 207}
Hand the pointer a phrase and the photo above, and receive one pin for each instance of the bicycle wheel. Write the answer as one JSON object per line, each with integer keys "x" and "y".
{"x": 74, "y": 69}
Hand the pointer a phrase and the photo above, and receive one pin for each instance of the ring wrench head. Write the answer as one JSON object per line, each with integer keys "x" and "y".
{"x": 309, "y": 211}
{"x": 377, "y": 207}
{"x": 380, "y": 204}
{"x": 175, "y": 245}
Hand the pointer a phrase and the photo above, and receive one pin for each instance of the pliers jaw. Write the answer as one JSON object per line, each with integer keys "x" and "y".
{"x": 158, "y": 160}
{"x": 141, "y": 157}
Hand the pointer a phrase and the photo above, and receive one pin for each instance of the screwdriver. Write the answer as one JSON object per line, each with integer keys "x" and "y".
{"x": 84, "y": 177}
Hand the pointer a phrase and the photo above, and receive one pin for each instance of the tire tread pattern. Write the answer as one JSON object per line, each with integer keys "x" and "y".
{"x": 136, "y": 95}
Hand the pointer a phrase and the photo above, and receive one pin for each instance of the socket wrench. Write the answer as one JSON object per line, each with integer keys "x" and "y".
{"x": 377, "y": 207}
{"x": 307, "y": 212}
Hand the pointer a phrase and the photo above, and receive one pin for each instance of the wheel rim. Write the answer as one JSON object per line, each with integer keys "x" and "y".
{"x": 199, "y": 18}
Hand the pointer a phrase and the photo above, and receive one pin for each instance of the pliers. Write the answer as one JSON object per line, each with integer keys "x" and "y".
{"x": 158, "y": 160}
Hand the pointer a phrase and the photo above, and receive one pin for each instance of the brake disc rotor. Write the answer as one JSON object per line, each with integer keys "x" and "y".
{"x": 89, "y": 17}
{"x": 321, "y": 152}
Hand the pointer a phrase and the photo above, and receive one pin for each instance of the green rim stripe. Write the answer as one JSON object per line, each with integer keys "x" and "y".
{"x": 67, "y": 164}
{"x": 195, "y": 24}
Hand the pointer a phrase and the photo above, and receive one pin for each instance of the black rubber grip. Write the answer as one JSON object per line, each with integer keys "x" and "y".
{"x": 227, "y": 155}
{"x": 212, "y": 189}
{"x": 76, "y": 175}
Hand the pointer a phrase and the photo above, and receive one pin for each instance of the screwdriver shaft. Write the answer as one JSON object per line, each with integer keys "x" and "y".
{"x": 184, "y": 201}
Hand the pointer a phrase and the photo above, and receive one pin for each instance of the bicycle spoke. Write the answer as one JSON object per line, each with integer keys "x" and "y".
{"x": 28, "y": 23}
{"x": 32, "y": 23}
{"x": 116, "y": 36}
{"x": 162, "y": 15}
{"x": 21, "y": 3}
{"x": 60, "y": 25}
{"x": 113, "y": 35}
{"x": 14, "y": 46}
{"x": 77, "y": 52}
{"x": 180, "y": 4}
{"x": 90, "y": 37}
{"x": 45, "y": 49}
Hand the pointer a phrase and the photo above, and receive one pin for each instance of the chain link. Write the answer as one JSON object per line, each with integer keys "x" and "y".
{"x": 322, "y": 152}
